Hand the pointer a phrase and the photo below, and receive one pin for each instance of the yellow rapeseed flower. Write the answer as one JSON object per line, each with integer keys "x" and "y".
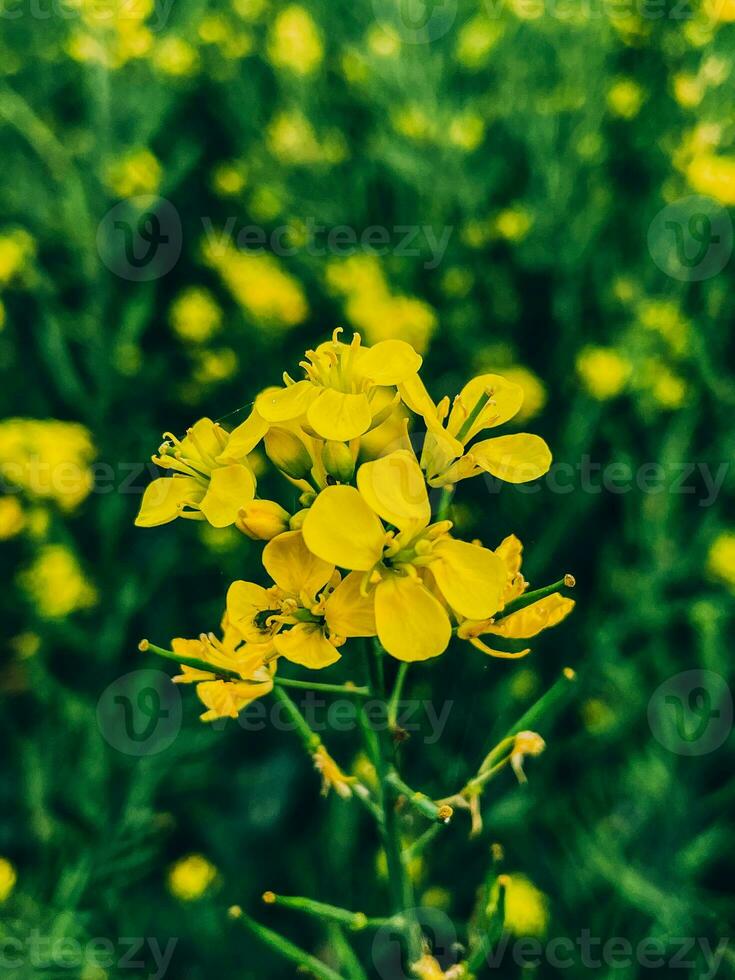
{"x": 195, "y": 315}
{"x": 174, "y": 56}
{"x": 229, "y": 179}
{"x": 12, "y": 517}
{"x": 721, "y": 558}
{"x": 476, "y": 40}
{"x": 55, "y": 583}
{"x": 526, "y": 907}
{"x": 8, "y": 878}
{"x": 467, "y": 131}
{"x": 17, "y": 249}
{"x": 603, "y": 371}
{"x": 294, "y": 41}
{"x": 47, "y": 459}
{"x": 136, "y": 172}
{"x": 190, "y": 877}
{"x": 625, "y": 98}
{"x": 211, "y": 476}
{"x": 713, "y": 175}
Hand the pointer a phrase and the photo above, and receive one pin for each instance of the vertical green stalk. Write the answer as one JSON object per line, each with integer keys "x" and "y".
{"x": 402, "y": 895}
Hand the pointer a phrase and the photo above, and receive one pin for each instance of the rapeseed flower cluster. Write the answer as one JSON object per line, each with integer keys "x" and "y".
{"x": 365, "y": 549}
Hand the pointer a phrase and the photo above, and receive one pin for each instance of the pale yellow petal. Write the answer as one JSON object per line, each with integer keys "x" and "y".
{"x": 283, "y": 404}
{"x": 504, "y": 403}
{"x": 244, "y": 438}
{"x": 226, "y": 699}
{"x": 348, "y": 612}
{"x": 204, "y": 440}
{"x": 305, "y": 644}
{"x": 164, "y": 498}
{"x": 528, "y": 622}
{"x": 414, "y": 394}
{"x": 395, "y": 489}
{"x": 293, "y": 567}
{"x": 470, "y": 578}
{"x": 515, "y": 459}
{"x": 342, "y": 529}
{"x": 230, "y": 488}
{"x": 388, "y": 362}
{"x": 411, "y": 623}
{"x": 339, "y": 416}
{"x": 245, "y": 600}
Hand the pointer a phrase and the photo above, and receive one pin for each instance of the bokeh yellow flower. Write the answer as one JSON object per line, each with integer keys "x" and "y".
{"x": 174, "y": 56}
{"x": 12, "y": 517}
{"x": 526, "y": 907}
{"x": 603, "y": 371}
{"x": 8, "y": 878}
{"x": 195, "y": 315}
{"x": 17, "y": 249}
{"x": 47, "y": 459}
{"x": 534, "y": 392}
{"x": 476, "y": 40}
{"x": 190, "y": 877}
{"x": 713, "y": 175}
{"x": 625, "y": 98}
{"x": 136, "y": 172}
{"x": 55, "y": 583}
{"x": 721, "y": 558}
{"x": 295, "y": 42}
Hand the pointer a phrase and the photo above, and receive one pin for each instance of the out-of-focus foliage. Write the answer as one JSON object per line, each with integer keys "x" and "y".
{"x": 490, "y": 190}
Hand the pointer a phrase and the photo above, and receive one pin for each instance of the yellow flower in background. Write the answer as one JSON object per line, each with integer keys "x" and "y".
{"x": 215, "y": 366}
{"x": 190, "y": 877}
{"x": 175, "y": 57}
{"x": 17, "y": 250}
{"x": 55, "y": 583}
{"x": 292, "y": 139}
{"x": 526, "y": 907}
{"x": 485, "y": 402}
{"x": 688, "y": 90}
{"x": 467, "y": 131}
{"x": 523, "y": 624}
{"x": 47, "y": 459}
{"x": 383, "y": 41}
{"x": 625, "y": 98}
{"x": 308, "y": 612}
{"x": 195, "y": 315}
{"x": 339, "y": 398}
{"x": 294, "y": 41}
{"x": 513, "y": 224}
{"x": 372, "y": 308}
{"x": 665, "y": 318}
{"x": 114, "y": 32}
{"x": 713, "y": 175}
{"x": 211, "y": 476}
{"x": 414, "y": 123}
{"x": 476, "y": 40}
{"x": 720, "y": 11}
{"x": 667, "y": 388}
{"x": 250, "y": 670}
{"x": 136, "y": 172}
{"x": 12, "y": 518}
{"x": 267, "y": 294}
{"x": 721, "y": 558}
{"x": 413, "y": 574}
{"x": 534, "y": 392}
{"x": 8, "y": 879}
{"x": 229, "y": 179}
{"x": 603, "y": 371}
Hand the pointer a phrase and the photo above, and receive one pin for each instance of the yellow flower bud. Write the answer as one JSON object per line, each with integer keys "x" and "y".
{"x": 288, "y": 453}
{"x": 262, "y": 520}
{"x": 338, "y": 461}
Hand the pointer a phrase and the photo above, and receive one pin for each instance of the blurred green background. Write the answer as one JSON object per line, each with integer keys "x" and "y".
{"x": 537, "y": 189}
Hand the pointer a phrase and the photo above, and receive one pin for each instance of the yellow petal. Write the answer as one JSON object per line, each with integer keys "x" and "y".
{"x": 394, "y": 487}
{"x": 469, "y": 577}
{"x": 348, "y": 612}
{"x": 305, "y": 644}
{"x": 411, "y": 623}
{"x": 528, "y": 622}
{"x": 515, "y": 459}
{"x": 164, "y": 498}
{"x": 505, "y": 401}
{"x": 283, "y": 404}
{"x": 230, "y": 488}
{"x": 244, "y": 601}
{"x": 500, "y": 654}
{"x": 342, "y": 529}
{"x": 293, "y": 567}
{"x": 226, "y": 699}
{"x": 338, "y": 416}
{"x": 414, "y": 394}
{"x": 204, "y": 440}
{"x": 388, "y": 362}
{"x": 510, "y": 551}
{"x": 243, "y": 439}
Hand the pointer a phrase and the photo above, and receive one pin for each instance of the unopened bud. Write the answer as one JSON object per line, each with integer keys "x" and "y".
{"x": 338, "y": 461}
{"x": 288, "y": 453}
{"x": 262, "y": 520}
{"x": 296, "y": 522}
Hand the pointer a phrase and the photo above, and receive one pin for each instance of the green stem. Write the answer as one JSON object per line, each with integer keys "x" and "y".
{"x": 310, "y": 739}
{"x": 492, "y": 932}
{"x": 356, "y": 921}
{"x": 420, "y": 801}
{"x": 444, "y": 501}
{"x": 346, "y": 955}
{"x": 395, "y": 697}
{"x": 285, "y": 947}
{"x": 421, "y": 843}
{"x": 359, "y": 692}
{"x": 194, "y": 662}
